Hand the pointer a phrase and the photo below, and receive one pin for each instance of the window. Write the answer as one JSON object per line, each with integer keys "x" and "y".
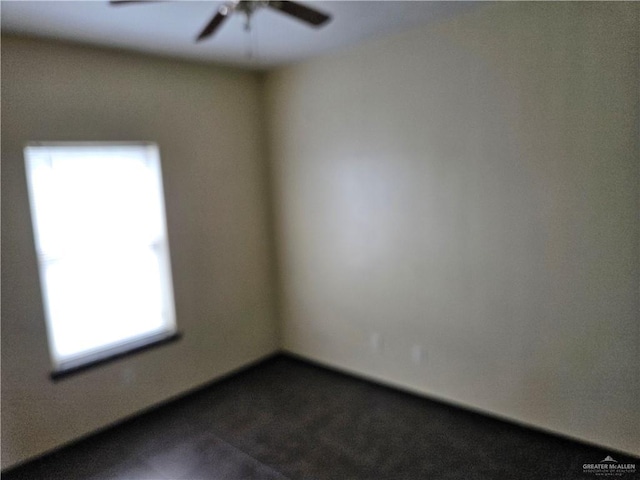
{"x": 103, "y": 255}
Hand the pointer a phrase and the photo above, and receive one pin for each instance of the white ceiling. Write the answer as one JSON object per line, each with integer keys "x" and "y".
{"x": 169, "y": 28}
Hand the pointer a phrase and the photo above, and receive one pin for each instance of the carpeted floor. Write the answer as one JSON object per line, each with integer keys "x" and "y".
{"x": 287, "y": 419}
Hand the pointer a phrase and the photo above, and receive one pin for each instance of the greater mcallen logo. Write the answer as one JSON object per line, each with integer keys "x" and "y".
{"x": 609, "y": 468}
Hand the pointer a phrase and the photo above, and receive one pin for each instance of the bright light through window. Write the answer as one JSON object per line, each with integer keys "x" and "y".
{"x": 99, "y": 225}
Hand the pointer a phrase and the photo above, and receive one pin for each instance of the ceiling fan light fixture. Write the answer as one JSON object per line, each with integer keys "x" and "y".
{"x": 308, "y": 15}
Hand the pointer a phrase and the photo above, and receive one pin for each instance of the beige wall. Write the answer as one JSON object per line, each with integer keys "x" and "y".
{"x": 207, "y": 122}
{"x": 472, "y": 189}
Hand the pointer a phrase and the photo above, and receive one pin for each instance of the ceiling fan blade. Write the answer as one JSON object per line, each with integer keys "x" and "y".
{"x": 223, "y": 12}
{"x": 127, "y": 2}
{"x": 301, "y": 12}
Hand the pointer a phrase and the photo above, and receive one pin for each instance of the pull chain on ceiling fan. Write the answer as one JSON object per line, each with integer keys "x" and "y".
{"x": 297, "y": 10}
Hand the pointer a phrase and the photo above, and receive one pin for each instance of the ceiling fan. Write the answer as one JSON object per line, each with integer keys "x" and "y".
{"x": 297, "y": 10}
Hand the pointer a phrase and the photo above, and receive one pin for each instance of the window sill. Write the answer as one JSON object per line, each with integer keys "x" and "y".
{"x": 68, "y": 372}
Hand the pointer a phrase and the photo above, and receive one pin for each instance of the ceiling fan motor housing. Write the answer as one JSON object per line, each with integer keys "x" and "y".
{"x": 300, "y": 12}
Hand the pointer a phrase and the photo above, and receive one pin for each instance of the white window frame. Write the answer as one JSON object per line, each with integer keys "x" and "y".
{"x": 63, "y": 363}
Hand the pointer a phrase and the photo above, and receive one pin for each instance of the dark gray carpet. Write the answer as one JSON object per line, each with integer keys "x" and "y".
{"x": 287, "y": 419}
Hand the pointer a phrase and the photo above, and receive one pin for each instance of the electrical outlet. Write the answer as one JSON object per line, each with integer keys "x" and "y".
{"x": 376, "y": 342}
{"x": 128, "y": 376}
{"x": 418, "y": 354}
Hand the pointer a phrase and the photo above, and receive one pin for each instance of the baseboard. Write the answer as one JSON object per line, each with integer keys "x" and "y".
{"x": 154, "y": 407}
{"x": 449, "y": 402}
{"x": 340, "y": 370}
